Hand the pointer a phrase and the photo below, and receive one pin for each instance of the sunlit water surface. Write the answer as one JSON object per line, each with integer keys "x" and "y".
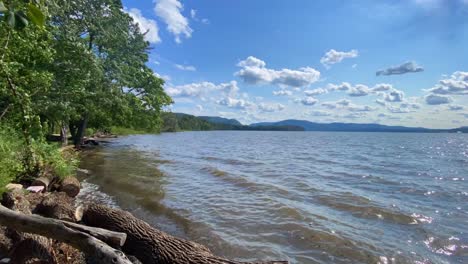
{"x": 306, "y": 197}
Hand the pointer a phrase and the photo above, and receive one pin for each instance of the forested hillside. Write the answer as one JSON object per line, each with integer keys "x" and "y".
{"x": 68, "y": 66}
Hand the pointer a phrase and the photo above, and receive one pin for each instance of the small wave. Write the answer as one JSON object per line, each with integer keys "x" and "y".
{"x": 214, "y": 171}
{"x": 452, "y": 246}
{"x": 91, "y": 193}
{"x": 362, "y": 207}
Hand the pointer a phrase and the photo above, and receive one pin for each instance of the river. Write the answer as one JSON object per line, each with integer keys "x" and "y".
{"x": 306, "y": 197}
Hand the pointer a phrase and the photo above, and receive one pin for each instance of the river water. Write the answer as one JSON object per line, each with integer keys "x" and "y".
{"x": 306, "y": 197}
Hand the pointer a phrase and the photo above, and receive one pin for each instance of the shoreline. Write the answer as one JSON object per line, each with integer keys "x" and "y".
{"x": 56, "y": 202}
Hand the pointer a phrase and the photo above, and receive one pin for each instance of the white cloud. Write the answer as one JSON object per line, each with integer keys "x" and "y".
{"x": 434, "y": 99}
{"x": 457, "y": 84}
{"x": 270, "y": 107}
{"x": 254, "y": 72}
{"x": 319, "y": 113}
{"x": 317, "y": 91}
{"x": 185, "y": 67}
{"x": 309, "y": 100}
{"x": 333, "y": 57}
{"x": 455, "y": 107}
{"x": 202, "y": 89}
{"x": 200, "y": 108}
{"x": 282, "y": 93}
{"x": 148, "y": 26}
{"x": 193, "y": 14}
{"x": 394, "y": 96}
{"x": 406, "y": 67}
{"x": 234, "y": 103}
{"x": 170, "y": 12}
{"x": 382, "y": 87}
{"x": 359, "y": 90}
{"x": 337, "y": 104}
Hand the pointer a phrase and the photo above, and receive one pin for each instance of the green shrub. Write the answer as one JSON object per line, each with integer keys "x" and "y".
{"x": 10, "y": 156}
{"x": 50, "y": 157}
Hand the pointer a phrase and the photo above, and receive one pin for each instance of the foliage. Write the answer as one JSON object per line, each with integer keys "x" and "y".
{"x": 51, "y": 157}
{"x": 73, "y": 64}
{"x": 10, "y": 161}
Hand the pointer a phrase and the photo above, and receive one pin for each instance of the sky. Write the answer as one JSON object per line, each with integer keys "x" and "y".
{"x": 399, "y": 62}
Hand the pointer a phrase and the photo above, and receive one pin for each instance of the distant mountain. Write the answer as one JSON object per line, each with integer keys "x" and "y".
{"x": 173, "y": 122}
{"x": 221, "y": 120}
{"x": 313, "y": 126}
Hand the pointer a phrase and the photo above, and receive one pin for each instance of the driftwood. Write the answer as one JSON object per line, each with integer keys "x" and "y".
{"x": 95, "y": 249}
{"x": 56, "y": 205}
{"x": 70, "y": 186}
{"x": 149, "y": 244}
{"x": 26, "y": 246}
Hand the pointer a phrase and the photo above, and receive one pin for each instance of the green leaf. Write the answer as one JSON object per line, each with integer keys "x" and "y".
{"x": 35, "y": 15}
{"x": 3, "y": 9}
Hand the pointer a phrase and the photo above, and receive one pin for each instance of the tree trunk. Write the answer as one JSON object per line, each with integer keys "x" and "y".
{"x": 64, "y": 135}
{"x": 148, "y": 244}
{"x": 80, "y": 132}
{"x": 70, "y": 186}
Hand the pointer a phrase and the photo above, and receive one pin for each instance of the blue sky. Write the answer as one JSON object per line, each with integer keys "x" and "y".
{"x": 390, "y": 62}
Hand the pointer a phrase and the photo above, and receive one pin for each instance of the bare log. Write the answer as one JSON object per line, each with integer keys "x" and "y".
{"x": 113, "y": 239}
{"x": 26, "y": 246}
{"x": 92, "y": 247}
{"x": 56, "y": 205}
{"x": 149, "y": 244}
{"x": 70, "y": 186}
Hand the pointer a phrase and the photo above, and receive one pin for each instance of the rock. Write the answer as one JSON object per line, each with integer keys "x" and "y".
{"x": 13, "y": 186}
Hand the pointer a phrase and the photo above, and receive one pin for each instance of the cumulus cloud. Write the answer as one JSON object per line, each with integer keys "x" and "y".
{"x": 394, "y": 96}
{"x": 337, "y": 104}
{"x": 270, "y": 107}
{"x": 317, "y": 91}
{"x": 382, "y": 87}
{"x": 381, "y": 102}
{"x": 170, "y": 12}
{"x": 406, "y": 67}
{"x": 319, "y": 113}
{"x": 309, "y": 100}
{"x": 434, "y": 99}
{"x": 360, "y": 108}
{"x": 185, "y": 67}
{"x": 282, "y": 93}
{"x": 359, "y": 90}
{"x": 455, "y": 107}
{"x": 234, "y": 103}
{"x": 201, "y": 89}
{"x": 333, "y": 57}
{"x": 456, "y": 84}
{"x": 398, "y": 110}
{"x": 254, "y": 71}
{"x": 147, "y": 26}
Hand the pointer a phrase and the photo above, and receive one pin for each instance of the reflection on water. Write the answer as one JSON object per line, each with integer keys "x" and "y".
{"x": 305, "y": 197}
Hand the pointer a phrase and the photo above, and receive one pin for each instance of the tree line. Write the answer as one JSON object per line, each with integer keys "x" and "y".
{"x": 72, "y": 65}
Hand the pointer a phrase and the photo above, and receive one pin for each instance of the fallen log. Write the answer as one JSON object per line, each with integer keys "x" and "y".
{"x": 26, "y": 246}
{"x": 56, "y": 205}
{"x": 113, "y": 239}
{"x": 71, "y": 186}
{"x": 95, "y": 249}
{"x": 148, "y": 244}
